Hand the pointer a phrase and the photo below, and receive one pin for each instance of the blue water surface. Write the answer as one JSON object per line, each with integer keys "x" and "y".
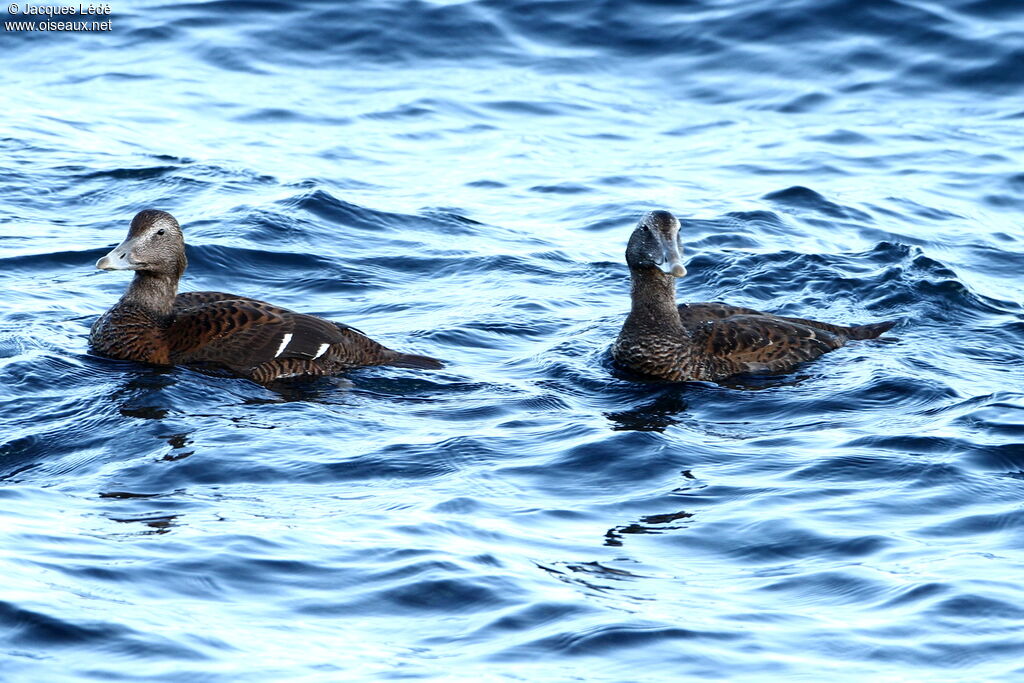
{"x": 459, "y": 179}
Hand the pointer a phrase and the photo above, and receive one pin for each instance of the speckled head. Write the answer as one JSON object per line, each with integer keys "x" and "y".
{"x": 154, "y": 244}
{"x": 655, "y": 244}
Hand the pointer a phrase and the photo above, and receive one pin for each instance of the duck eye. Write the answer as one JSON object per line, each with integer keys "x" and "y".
{"x": 160, "y": 231}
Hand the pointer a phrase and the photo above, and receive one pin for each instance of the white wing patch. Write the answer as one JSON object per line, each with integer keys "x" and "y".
{"x": 321, "y": 351}
{"x": 284, "y": 343}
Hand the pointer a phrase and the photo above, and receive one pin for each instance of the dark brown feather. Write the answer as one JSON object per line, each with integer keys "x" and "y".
{"x": 190, "y": 299}
{"x": 129, "y": 333}
{"x": 245, "y": 336}
{"x": 759, "y": 343}
{"x": 716, "y": 340}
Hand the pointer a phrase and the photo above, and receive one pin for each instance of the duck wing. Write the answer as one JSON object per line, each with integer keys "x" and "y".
{"x": 245, "y": 334}
{"x": 693, "y": 315}
{"x": 759, "y": 343}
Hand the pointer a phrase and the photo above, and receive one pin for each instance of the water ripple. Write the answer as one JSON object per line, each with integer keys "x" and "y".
{"x": 460, "y": 179}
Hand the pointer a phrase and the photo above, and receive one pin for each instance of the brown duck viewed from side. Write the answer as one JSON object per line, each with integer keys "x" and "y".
{"x": 152, "y": 323}
{"x": 708, "y": 341}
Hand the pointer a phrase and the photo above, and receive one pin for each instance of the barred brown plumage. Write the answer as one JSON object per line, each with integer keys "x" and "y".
{"x": 251, "y": 338}
{"x": 708, "y": 341}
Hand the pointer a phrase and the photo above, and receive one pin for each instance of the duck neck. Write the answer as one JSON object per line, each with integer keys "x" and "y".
{"x": 152, "y": 292}
{"x": 654, "y": 302}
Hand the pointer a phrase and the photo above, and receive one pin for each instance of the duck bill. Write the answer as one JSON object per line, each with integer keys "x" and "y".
{"x": 120, "y": 258}
{"x": 672, "y": 259}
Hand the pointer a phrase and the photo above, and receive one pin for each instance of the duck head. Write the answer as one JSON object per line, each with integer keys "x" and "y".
{"x": 655, "y": 244}
{"x": 154, "y": 244}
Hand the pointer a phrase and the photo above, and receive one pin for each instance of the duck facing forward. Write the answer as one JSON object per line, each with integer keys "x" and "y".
{"x": 152, "y": 323}
{"x": 708, "y": 341}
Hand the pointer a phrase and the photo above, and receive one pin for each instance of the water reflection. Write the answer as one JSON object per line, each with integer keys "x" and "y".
{"x": 156, "y": 521}
{"x": 157, "y": 524}
{"x": 648, "y": 524}
{"x": 136, "y": 395}
{"x": 655, "y": 415}
{"x": 178, "y": 443}
{"x": 589, "y": 574}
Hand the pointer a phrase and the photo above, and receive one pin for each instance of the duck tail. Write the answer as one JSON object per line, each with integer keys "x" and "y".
{"x": 870, "y": 331}
{"x": 409, "y": 360}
